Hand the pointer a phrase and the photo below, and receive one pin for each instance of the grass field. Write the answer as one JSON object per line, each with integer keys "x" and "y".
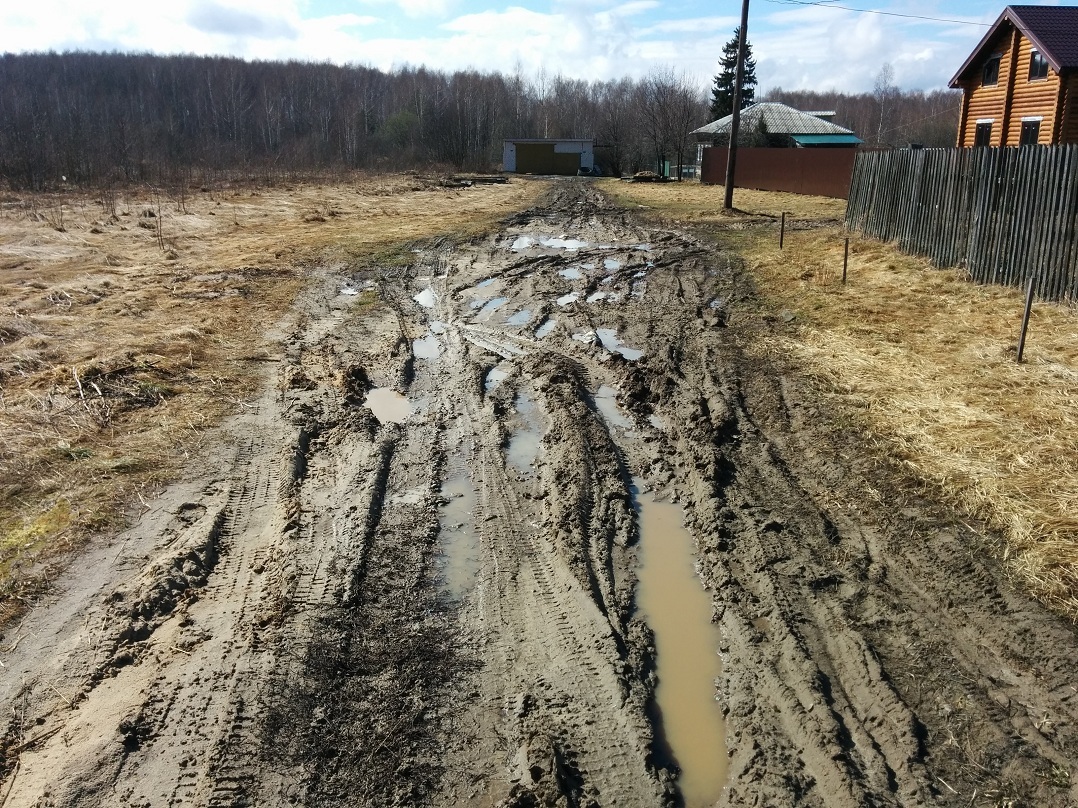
{"x": 131, "y": 324}
{"x": 925, "y": 363}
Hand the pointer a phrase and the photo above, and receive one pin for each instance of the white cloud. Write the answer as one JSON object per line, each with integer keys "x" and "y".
{"x": 416, "y": 9}
{"x": 796, "y": 47}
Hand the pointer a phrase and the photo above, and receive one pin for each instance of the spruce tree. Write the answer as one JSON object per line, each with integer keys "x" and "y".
{"x": 722, "y": 94}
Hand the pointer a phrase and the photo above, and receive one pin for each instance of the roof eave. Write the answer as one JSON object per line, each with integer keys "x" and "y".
{"x": 1010, "y": 15}
{"x": 976, "y": 54}
{"x": 1051, "y": 58}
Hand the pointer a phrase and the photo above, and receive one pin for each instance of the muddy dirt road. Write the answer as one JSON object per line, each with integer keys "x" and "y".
{"x": 363, "y": 598}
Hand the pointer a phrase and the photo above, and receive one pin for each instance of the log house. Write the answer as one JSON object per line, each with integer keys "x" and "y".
{"x": 1020, "y": 84}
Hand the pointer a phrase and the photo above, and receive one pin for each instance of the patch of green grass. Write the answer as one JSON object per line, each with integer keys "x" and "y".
{"x": 28, "y": 537}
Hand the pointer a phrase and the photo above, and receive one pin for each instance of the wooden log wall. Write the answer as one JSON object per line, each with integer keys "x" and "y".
{"x": 1002, "y": 213}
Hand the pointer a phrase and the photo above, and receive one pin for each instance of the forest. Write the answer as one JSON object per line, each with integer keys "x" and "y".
{"x": 99, "y": 119}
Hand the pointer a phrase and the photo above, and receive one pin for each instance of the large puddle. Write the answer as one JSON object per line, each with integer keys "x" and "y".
{"x": 460, "y": 550}
{"x": 678, "y": 610}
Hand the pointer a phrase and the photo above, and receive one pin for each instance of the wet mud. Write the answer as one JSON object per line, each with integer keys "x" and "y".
{"x": 407, "y": 573}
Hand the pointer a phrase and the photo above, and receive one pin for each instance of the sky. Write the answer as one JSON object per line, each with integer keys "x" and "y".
{"x": 821, "y": 46}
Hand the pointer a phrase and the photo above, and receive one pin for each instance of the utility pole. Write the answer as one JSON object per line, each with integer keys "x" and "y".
{"x": 735, "y": 124}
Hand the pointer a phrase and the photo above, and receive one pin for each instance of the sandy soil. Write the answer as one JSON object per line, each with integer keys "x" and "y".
{"x": 280, "y": 628}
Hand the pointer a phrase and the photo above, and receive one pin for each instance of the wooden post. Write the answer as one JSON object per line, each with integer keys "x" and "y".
{"x": 782, "y": 229}
{"x": 1025, "y": 319}
{"x": 845, "y": 259}
{"x": 735, "y": 124}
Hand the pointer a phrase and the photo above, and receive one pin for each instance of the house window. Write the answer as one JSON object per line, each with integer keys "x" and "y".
{"x": 1031, "y": 130}
{"x": 990, "y": 75}
{"x": 983, "y": 134}
{"x": 1038, "y": 66}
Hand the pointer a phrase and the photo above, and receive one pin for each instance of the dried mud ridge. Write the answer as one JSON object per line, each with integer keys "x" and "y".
{"x": 280, "y": 630}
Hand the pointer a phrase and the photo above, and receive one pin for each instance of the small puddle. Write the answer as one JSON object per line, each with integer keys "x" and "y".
{"x": 388, "y": 406}
{"x": 595, "y": 297}
{"x": 545, "y": 328}
{"x": 460, "y": 550}
{"x": 524, "y": 442}
{"x": 565, "y": 300}
{"x": 520, "y": 318}
{"x": 571, "y": 273}
{"x": 609, "y": 338}
{"x": 522, "y": 243}
{"x": 571, "y": 244}
{"x": 678, "y": 610}
{"x": 425, "y": 298}
{"x": 611, "y": 264}
{"x": 490, "y": 307}
{"x": 606, "y": 399}
{"x": 495, "y": 376}
{"x": 426, "y": 347}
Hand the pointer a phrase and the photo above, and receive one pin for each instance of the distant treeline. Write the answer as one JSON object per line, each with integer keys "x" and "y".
{"x": 888, "y": 116}
{"x": 98, "y": 119}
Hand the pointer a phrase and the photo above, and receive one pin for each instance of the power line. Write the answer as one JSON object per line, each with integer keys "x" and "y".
{"x": 920, "y": 120}
{"x": 874, "y": 11}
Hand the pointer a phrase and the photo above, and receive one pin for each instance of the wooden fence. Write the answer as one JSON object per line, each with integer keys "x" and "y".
{"x": 1003, "y": 213}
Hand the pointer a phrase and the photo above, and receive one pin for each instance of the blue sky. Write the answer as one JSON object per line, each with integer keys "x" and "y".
{"x": 821, "y": 46}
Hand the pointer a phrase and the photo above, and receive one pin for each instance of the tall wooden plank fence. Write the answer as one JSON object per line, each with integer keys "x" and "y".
{"x": 1002, "y": 213}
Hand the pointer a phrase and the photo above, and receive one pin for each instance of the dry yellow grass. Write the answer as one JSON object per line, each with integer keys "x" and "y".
{"x": 926, "y": 361}
{"x": 123, "y": 336}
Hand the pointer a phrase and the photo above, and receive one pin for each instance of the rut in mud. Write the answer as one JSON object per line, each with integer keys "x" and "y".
{"x": 435, "y": 605}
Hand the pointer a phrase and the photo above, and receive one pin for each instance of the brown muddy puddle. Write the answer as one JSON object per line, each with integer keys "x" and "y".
{"x": 677, "y": 608}
{"x": 526, "y": 435}
{"x": 460, "y": 553}
{"x": 388, "y": 406}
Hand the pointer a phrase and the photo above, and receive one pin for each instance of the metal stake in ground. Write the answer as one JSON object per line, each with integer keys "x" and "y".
{"x": 845, "y": 260}
{"x": 1025, "y": 319}
{"x": 782, "y": 229}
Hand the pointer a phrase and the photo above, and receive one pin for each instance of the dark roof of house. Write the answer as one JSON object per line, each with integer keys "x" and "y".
{"x": 778, "y": 118}
{"x": 1053, "y": 30}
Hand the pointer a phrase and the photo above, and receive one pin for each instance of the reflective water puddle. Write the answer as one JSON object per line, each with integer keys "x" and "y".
{"x": 545, "y": 328}
{"x": 609, "y": 338}
{"x": 427, "y": 347}
{"x": 425, "y": 298}
{"x": 520, "y": 318}
{"x": 678, "y": 610}
{"x": 495, "y": 376}
{"x": 526, "y": 436}
{"x": 460, "y": 549}
{"x": 606, "y": 399}
{"x": 490, "y": 307}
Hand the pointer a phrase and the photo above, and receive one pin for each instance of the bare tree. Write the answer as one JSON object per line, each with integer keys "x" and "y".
{"x": 885, "y": 92}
